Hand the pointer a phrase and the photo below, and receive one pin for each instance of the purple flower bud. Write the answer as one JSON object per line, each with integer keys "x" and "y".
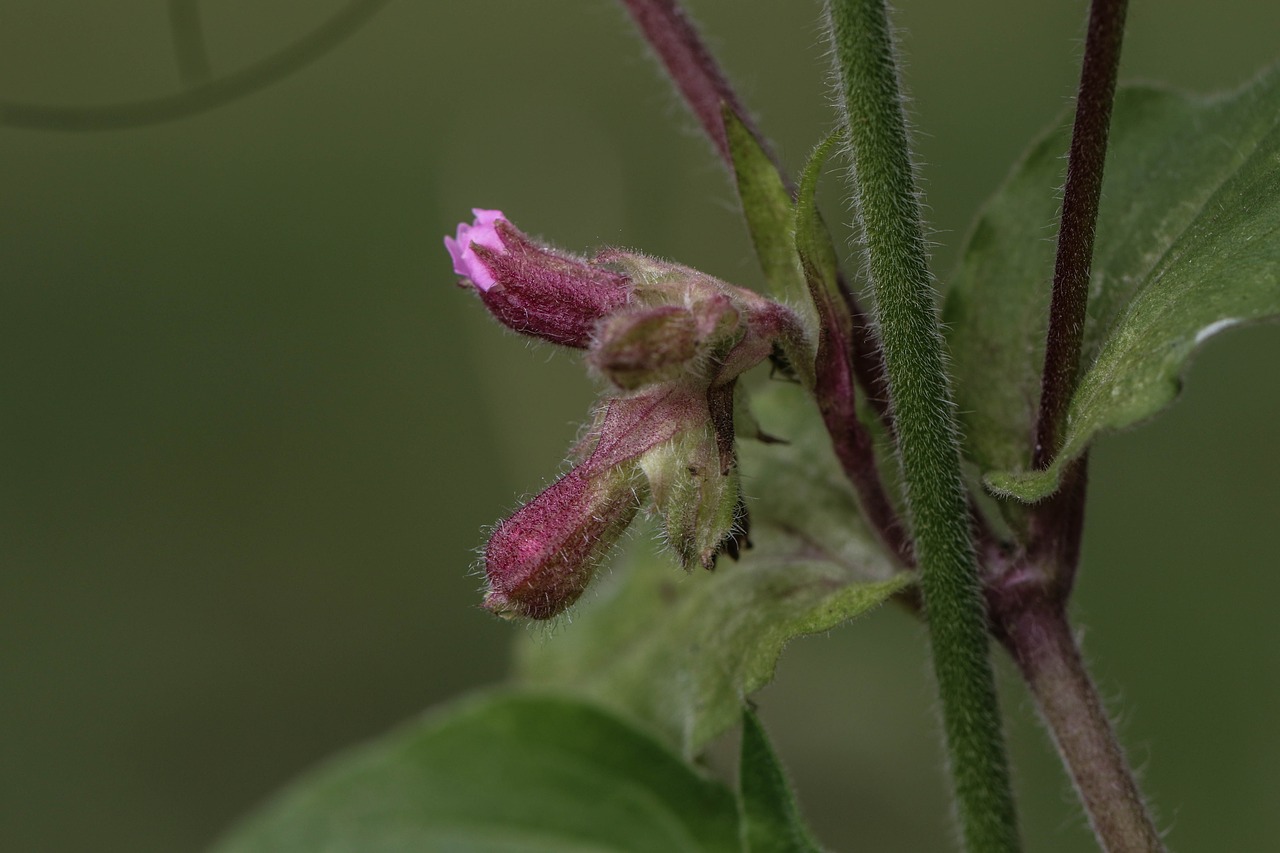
{"x": 530, "y": 288}
{"x": 540, "y": 560}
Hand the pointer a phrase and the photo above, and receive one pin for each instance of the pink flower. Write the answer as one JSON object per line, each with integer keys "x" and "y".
{"x": 484, "y": 233}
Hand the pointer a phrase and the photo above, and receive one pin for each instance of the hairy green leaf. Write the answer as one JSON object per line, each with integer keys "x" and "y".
{"x": 812, "y": 239}
{"x": 771, "y": 822}
{"x": 1188, "y": 244}
{"x": 766, "y": 206}
{"x": 679, "y": 652}
{"x": 815, "y": 250}
{"x": 505, "y": 772}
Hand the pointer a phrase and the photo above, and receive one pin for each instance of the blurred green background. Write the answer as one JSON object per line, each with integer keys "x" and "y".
{"x": 250, "y": 432}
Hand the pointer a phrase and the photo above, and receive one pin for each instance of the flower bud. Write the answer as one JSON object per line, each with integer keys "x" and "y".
{"x": 645, "y": 346}
{"x": 698, "y": 499}
{"x": 539, "y": 561}
{"x": 530, "y": 288}
{"x": 737, "y": 328}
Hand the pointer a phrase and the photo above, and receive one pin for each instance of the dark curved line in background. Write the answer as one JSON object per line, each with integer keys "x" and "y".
{"x": 203, "y": 97}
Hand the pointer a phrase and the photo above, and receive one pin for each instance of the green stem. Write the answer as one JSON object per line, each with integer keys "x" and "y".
{"x": 889, "y": 210}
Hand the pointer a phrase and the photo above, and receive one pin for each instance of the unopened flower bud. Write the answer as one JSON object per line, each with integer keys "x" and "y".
{"x": 737, "y": 327}
{"x": 698, "y": 499}
{"x": 645, "y": 346}
{"x": 530, "y": 288}
{"x": 539, "y": 561}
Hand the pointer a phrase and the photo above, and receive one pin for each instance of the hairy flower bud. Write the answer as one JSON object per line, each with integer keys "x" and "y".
{"x": 698, "y": 500}
{"x": 540, "y": 560}
{"x": 695, "y": 485}
{"x": 645, "y": 346}
{"x": 530, "y": 288}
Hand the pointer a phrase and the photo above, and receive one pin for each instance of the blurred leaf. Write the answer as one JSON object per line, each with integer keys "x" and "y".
{"x": 771, "y": 822}
{"x": 1187, "y": 246}
{"x": 506, "y": 772}
{"x": 679, "y": 652}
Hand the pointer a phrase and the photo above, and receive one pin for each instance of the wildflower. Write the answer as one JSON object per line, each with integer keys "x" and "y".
{"x": 672, "y": 341}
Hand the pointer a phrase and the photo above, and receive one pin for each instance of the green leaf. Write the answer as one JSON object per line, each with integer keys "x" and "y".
{"x": 813, "y": 244}
{"x": 766, "y": 205}
{"x": 678, "y": 652}
{"x": 1188, "y": 245}
{"x": 771, "y": 822}
{"x": 816, "y": 252}
{"x": 505, "y": 772}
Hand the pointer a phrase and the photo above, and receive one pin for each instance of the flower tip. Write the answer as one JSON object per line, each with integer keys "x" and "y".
{"x": 483, "y": 231}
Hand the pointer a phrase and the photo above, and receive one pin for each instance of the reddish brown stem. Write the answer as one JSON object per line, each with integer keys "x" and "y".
{"x": 1070, "y": 301}
{"x": 1040, "y": 640}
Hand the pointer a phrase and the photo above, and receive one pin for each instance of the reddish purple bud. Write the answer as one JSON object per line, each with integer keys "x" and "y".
{"x": 540, "y": 560}
{"x": 532, "y": 289}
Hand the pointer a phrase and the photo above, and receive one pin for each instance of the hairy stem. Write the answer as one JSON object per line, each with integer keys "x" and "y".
{"x": 688, "y": 62}
{"x": 889, "y": 210}
{"x": 1079, "y": 217}
{"x": 690, "y": 65}
{"x": 1040, "y": 640}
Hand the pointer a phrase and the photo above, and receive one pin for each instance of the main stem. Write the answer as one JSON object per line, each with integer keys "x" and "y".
{"x": 1040, "y": 640}
{"x": 887, "y": 204}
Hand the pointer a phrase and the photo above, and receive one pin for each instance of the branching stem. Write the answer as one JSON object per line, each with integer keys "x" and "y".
{"x": 189, "y": 48}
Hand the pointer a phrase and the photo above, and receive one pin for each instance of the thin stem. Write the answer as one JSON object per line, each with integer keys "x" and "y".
{"x": 693, "y": 69}
{"x": 1080, "y": 199}
{"x": 188, "y": 42}
{"x": 202, "y": 98}
{"x": 889, "y": 210}
{"x": 853, "y": 444}
{"x": 690, "y": 65}
{"x": 1040, "y": 640}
